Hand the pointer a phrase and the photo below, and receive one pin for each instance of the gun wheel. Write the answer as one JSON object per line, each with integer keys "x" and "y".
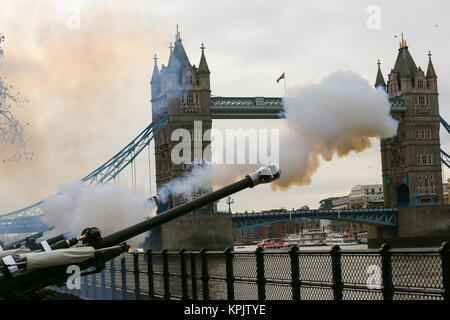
{"x": 49, "y": 294}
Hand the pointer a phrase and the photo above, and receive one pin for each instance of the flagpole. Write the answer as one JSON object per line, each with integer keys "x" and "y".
{"x": 284, "y": 82}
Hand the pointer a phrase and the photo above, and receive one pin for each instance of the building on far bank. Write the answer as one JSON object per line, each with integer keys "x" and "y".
{"x": 360, "y": 196}
{"x": 275, "y": 230}
{"x": 366, "y": 196}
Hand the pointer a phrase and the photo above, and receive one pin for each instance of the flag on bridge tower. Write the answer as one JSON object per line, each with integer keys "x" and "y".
{"x": 282, "y": 77}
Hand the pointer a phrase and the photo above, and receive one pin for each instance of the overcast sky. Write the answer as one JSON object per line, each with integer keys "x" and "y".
{"x": 88, "y": 87}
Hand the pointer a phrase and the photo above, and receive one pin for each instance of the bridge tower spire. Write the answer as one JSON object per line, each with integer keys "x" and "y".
{"x": 411, "y": 163}
{"x": 155, "y": 82}
{"x": 380, "y": 80}
{"x": 203, "y": 66}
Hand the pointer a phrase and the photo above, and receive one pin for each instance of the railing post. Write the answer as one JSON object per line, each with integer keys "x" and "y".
{"x": 112, "y": 271}
{"x": 103, "y": 284}
{"x": 79, "y": 292}
{"x": 337, "y": 272}
{"x": 183, "y": 276}
{"x": 386, "y": 271}
{"x": 205, "y": 275}
{"x": 194, "y": 276}
{"x": 123, "y": 269}
{"x": 94, "y": 286}
{"x": 229, "y": 273}
{"x": 137, "y": 285}
{"x": 260, "y": 276}
{"x": 444, "y": 251}
{"x": 151, "y": 286}
{"x": 295, "y": 273}
{"x": 166, "y": 274}
{"x": 86, "y": 286}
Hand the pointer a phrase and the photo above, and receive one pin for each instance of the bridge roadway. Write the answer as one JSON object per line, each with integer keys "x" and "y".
{"x": 379, "y": 217}
{"x": 246, "y": 108}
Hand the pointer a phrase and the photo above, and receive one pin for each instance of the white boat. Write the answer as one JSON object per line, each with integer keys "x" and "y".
{"x": 340, "y": 239}
{"x": 362, "y": 237}
{"x": 273, "y": 244}
{"x": 308, "y": 237}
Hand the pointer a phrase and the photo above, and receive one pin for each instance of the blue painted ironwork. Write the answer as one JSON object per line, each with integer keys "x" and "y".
{"x": 247, "y": 108}
{"x": 397, "y": 105}
{"x": 445, "y": 124}
{"x": 445, "y": 158}
{"x": 28, "y": 219}
{"x": 379, "y": 217}
{"x": 111, "y": 168}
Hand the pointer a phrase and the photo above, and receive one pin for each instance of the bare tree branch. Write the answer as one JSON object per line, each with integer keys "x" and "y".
{"x": 11, "y": 130}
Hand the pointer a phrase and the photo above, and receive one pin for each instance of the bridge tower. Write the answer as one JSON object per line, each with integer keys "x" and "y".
{"x": 411, "y": 165}
{"x": 182, "y": 91}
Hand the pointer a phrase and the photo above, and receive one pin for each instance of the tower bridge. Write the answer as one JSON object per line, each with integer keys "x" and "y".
{"x": 181, "y": 94}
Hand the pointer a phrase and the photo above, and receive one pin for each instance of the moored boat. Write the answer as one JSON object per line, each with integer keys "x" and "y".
{"x": 341, "y": 239}
{"x": 308, "y": 237}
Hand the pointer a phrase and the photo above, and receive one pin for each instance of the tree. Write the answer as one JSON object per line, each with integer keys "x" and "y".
{"x": 12, "y": 143}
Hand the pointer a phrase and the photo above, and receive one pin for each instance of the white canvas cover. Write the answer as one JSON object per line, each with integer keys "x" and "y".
{"x": 13, "y": 252}
{"x": 36, "y": 260}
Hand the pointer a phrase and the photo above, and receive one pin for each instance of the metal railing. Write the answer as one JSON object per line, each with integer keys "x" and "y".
{"x": 369, "y": 274}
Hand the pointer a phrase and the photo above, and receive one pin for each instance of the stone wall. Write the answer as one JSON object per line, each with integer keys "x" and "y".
{"x": 420, "y": 226}
{"x": 196, "y": 231}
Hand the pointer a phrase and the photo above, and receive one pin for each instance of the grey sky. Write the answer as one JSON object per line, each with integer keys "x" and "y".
{"x": 248, "y": 45}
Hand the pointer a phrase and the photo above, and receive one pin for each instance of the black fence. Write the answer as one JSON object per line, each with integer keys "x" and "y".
{"x": 370, "y": 274}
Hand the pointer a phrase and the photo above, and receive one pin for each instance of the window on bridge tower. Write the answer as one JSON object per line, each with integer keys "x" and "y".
{"x": 421, "y": 100}
{"x": 420, "y": 83}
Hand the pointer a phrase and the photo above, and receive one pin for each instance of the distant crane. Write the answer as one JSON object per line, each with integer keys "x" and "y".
{"x": 229, "y": 203}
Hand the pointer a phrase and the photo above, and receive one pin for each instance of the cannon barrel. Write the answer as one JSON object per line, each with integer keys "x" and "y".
{"x": 18, "y": 243}
{"x": 265, "y": 174}
{"x": 55, "y": 239}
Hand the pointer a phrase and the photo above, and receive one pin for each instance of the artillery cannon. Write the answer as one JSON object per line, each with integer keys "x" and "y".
{"x": 31, "y": 243}
{"x": 24, "y": 275}
{"x": 18, "y": 243}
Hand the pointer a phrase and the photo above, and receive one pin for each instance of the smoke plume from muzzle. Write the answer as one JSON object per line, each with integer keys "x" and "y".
{"x": 109, "y": 207}
{"x": 336, "y": 116}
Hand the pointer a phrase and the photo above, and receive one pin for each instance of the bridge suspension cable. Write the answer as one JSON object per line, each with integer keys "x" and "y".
{"x": 445, "y": 158}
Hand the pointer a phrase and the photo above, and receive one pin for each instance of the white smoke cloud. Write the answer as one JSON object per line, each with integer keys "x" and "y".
{"x": 108, "y": 207}
{"x": 199, "y": 177}
{"x": 335, "y": 116}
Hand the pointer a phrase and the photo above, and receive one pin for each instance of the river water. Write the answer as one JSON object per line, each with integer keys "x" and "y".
{"x": 353, "y": 246}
